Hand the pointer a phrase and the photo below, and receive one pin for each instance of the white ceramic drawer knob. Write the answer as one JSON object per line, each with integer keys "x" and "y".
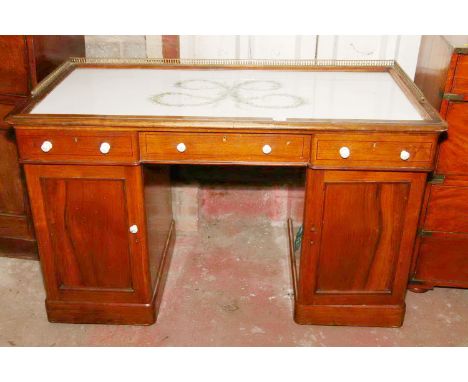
{"x": 181, "y": 147}
{"x": 134, "y": 228}
{"x": 46, "y": 146}
{"x": 404, "y": 155}
{"x": 266, "y": 149}
{"x": 345, "y": 152}
{"x": 104, "y": 148}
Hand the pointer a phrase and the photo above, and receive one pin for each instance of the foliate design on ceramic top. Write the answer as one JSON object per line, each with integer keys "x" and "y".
{"x": 254, "y": 93}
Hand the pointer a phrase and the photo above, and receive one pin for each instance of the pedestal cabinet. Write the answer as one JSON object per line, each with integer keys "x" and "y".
{"x": 91, "y": 228}
{"x": 359, "y": 230}
{"x": 441, "y": 257}
{"x": 24, "y": 61}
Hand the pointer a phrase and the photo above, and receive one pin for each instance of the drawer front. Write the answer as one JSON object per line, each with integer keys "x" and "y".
{"x": 443, "y": 260}
{"x": 224, "y": 148}
{"x": 373, "y": 151}
{"x": 78, "y": 147}
{"x": 447, "y": 208}
{"x": 460, "y": 80}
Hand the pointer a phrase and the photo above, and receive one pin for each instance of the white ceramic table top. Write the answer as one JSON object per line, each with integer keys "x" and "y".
{"x": 229, "y": 93}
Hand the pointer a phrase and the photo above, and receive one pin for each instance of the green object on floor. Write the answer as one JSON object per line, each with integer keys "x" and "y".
{"x": 298, "y": 239}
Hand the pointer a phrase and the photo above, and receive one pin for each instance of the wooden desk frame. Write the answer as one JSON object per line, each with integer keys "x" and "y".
{"x": 360, "y": 217}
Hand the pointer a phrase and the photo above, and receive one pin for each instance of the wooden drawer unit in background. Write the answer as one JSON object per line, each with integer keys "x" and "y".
{"x": 24, "y": 61}
{"x": 225, "y": 148}
{"x": 402, "y": 152}
{"x": 441, "y": 255}
{"x": 443, "y": 247}
{"x": 70, "y": 146}
{"x": 14, "y": 224}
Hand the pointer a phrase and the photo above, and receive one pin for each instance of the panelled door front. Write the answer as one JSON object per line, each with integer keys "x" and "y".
{"x": 89, "y": 222}
{"x": 359, "y": 229}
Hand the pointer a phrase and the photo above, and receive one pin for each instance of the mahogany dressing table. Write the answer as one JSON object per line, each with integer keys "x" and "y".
{"x": 98, "y": 137}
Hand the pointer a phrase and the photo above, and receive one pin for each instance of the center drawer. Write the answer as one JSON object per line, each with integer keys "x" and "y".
{"x": 224, "y": 148}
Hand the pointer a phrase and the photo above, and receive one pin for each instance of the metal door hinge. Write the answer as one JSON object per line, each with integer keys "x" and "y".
{"x": 424, "y": 233}
{"x": 436, "y": 179}
{"x": 452, "y": 97}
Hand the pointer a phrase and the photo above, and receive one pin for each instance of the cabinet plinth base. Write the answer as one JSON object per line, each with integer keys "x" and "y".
{"x": 18, "y": 248}
{"x": 100, "y": 313}
{"x": 350, "y": 315}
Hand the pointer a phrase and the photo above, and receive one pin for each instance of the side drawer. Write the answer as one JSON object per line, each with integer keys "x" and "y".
{"x": 447, "y": 208}
{"x": 224, "y": 148}
{"x": 77, "y": 146}
{"x": 374, "y": 151}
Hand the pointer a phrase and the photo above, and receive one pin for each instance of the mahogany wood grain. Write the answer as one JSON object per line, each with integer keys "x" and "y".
{"x": 374, "y": 150}
{"x": 15, "y": 226}
{"x": 441, "y": 253}
{"x": 447, "y": 209}
{"x": 82, "y": 216}
{"x": 228, "y": 148}
{"x": 14, "y": 66}
{"x": 365, "y": 255}
{"x": 359, "y": 230}
{"x": 350, "y": 315}
{"x": 453, "y": 152}
{"x": 78, "y": 146}
{"x": 10, "y": 174}
{"x": 18, "y": 248}
{"x": 51, "y": 51}
{"x": 447, "y": 89}
{"x": 431, "y": 73}
{"x": 460, "y": 80}
{"x": 4, "y": 110}
{"x": 443, "y": 260}
{"x": 24, "y": 60}
{"x": 14, "y": 222}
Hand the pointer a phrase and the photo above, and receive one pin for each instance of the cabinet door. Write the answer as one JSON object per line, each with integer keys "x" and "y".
{"x": 82, "y": 217}
{"x": 359, "y": 231}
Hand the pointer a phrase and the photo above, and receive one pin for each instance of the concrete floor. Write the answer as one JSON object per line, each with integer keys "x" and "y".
{"x": 228, "y": 285}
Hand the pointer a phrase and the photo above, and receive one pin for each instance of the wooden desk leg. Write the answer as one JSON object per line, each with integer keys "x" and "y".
{"x": 359, "y": 231}
{"x": 92, "y": 237}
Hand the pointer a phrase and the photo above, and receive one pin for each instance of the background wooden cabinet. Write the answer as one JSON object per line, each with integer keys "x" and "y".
{"x": 441, "y": 257}
{"x": 24, "y": 61}
{"x": 359, "y": 229}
